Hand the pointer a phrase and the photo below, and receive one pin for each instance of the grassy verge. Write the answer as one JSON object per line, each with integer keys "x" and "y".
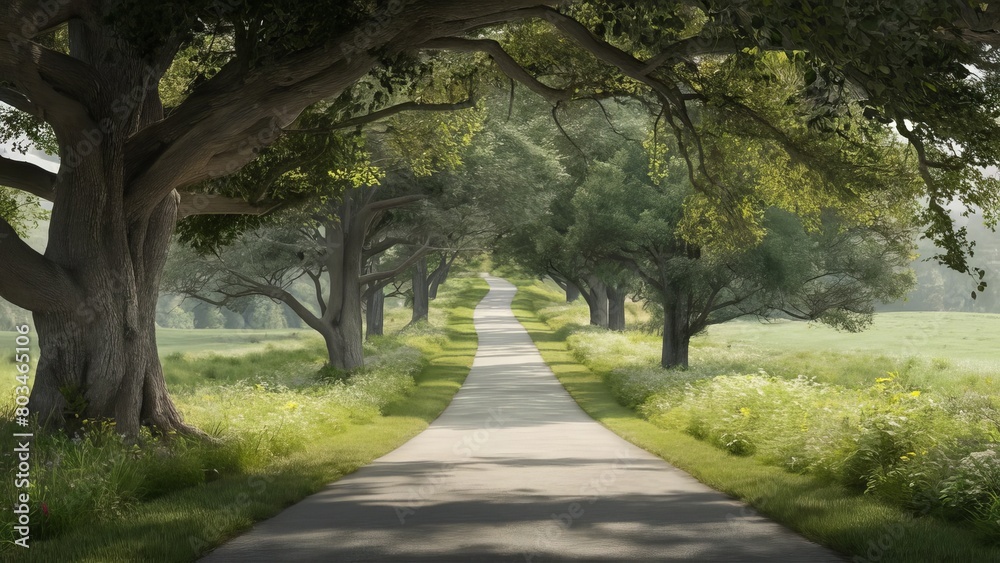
{"x": 284, "y": 438}
{"x": 825, "y": 512}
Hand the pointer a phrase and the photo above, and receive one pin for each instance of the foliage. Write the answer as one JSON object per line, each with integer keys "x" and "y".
{"x": 815, "y": 253}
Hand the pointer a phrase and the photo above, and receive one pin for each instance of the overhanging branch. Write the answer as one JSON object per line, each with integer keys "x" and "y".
{"x": 28, "y": 178}
{"x": 507, "y": 64}
{"x": 385, "y": 114}
{"x": 32, "y": 281}
{"x": 211, "y": 204}
{"x": 19, "y": 102}
{"x": 375, "y": 277}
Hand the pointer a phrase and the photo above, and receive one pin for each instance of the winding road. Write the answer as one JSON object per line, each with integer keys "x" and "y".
{"x": 514, "y": 470}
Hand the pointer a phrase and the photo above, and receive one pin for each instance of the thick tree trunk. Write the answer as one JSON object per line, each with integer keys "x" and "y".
{"x": 344, "y": 331}
{"x": 344, "y": 347}
{"x": 597, "y": 299}
{"x": 421, "y": 303}
{"x": 676, "y": 337}
{"x": 375, "y": 312}
{"x": 99, "y": 360}
{"x": 572, "y": 293}
{"x": 99, "y": 357}
{"x": 616, "y": 308}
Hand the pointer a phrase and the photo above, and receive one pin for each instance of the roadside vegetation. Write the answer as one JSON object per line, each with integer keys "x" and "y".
{"x": 842, "y": 446}
{"x": 282, "y": 429}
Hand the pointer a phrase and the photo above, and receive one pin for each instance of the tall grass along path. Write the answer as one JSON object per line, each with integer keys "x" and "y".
{"x": 513, "y": 470}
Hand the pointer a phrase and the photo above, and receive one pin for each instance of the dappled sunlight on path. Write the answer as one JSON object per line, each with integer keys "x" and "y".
{"x": 514, "y": 470}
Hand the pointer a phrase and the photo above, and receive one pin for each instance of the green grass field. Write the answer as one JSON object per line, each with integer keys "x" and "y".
{"x": 968, "y": 340}
{"x": 228, "y": 341}
{"x": 952, "y": 353}
{"x": 948, "y": 352}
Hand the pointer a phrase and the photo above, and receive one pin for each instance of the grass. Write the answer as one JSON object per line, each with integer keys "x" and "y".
{"x": 284, "y": 436}
{"x": 821, "y": 509}
{"x": 226, "y": 342}
{"x": 947, "y": 353}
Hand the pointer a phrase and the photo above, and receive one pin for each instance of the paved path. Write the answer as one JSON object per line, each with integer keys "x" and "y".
{"x": 513, "y": 470}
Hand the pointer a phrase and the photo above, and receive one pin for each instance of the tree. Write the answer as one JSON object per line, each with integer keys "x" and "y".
{"x": 832, "y": 267}
{"x": 131, "y": 166}
{"x": 208, "y": 317}
{"x": 332, "y": 246}
{"x": 541, "y": 242}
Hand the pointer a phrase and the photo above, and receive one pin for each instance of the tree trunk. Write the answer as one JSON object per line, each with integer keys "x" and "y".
{"x": 99, "y": 360}
{"x": 597, "y": 299}
{"x": 616, "y": 308}
{"x": 421, "y": 303}
{"x": 375, "y": 312}
{"x": 345, "y": 240}
{"x": 572, "y": 293}
{"x": 344, "y": 347}
{"x": 676, "y": 337}
{"x": 99, "y": 356}
{"x": 439, "y": 276}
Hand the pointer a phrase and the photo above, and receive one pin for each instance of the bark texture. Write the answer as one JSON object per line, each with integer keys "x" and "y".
{"x": 421, "y": 301}
{"x": 375, "y": 312}
{"x": 440, "y": 274}
{"x": 596, "y": 295}
{"x": 572, "y": 293}
{"x": 616, "y": 307}
{"x": 676, "y": 331}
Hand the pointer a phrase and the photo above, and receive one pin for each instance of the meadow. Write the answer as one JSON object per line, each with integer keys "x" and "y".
{"x": 897, "y": 422}
{"x": 279, "y": 430}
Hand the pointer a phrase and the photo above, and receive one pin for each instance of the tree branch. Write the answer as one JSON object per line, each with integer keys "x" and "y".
{"x": 390, "y": 203}
{"x": 384, "y": 245}
{"x": 219, "y": 128}
{"x": 212, "y": 204}
{"x": 19, "y": 102}
{"x": 386, "y": 113}
{"x": 377, "y": 276}
{"x": 507, "y": 64}
{"x": 27, "y": 177}
{"x": 318, "y": 286}
{"x": 52, "y": 83}
{"x": 31, "y": 281}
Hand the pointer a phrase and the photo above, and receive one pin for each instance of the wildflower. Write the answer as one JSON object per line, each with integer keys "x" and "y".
{"x": 45, "y": 509}
{"x": 915, "y": 393}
